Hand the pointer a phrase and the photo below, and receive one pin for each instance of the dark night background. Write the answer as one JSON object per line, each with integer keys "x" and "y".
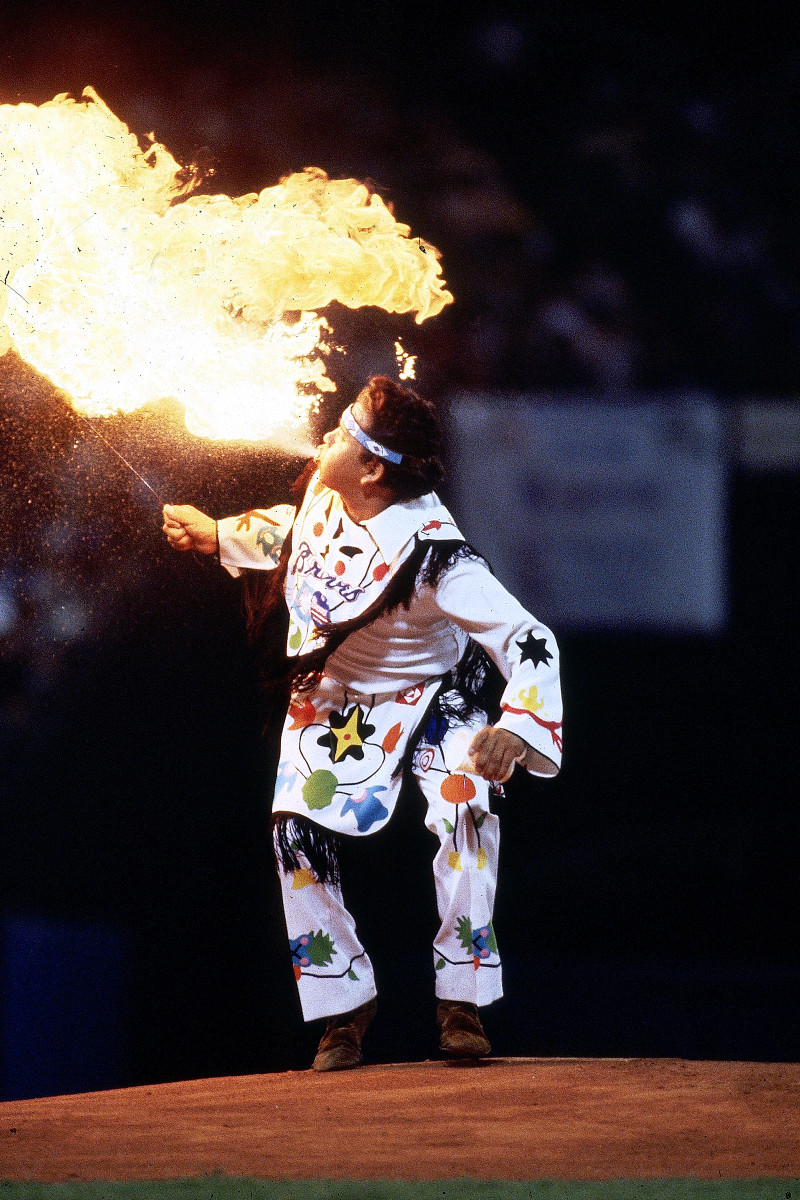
{"x": 615, "y": 199}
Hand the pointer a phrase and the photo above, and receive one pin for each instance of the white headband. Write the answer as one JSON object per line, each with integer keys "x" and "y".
{"x": 352, "y": 426}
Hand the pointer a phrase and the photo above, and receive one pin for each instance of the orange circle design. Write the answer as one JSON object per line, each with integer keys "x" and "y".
{"x": 457, "y": 789}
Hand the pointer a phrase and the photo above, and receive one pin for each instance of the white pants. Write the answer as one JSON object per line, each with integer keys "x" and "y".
{"x": 332, "y": 969}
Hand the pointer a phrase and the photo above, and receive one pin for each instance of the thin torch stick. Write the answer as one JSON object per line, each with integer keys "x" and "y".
{"x": 130, "y": 466}
{"x": 121, "y": 457}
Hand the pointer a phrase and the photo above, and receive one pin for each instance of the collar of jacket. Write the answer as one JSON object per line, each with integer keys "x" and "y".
{"x": 393, "y": 528}
{"x": 425, "y": 518}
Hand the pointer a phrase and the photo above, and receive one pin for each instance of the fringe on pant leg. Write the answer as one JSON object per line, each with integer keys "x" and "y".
{"x": 294, "y": 836}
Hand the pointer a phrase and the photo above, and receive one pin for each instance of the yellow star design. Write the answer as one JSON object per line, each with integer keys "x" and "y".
{"x": 347, "y": 736}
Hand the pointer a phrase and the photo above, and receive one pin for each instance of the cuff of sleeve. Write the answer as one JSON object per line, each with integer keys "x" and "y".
{"x": 539, "y": 735}
{"x": 227, "y": 524}
{"x": 255, "y": 548}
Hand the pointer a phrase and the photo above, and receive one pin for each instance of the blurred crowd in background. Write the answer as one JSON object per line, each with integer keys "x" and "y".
{"x": 606, "y": 222}
{"x": 648, "y": 238}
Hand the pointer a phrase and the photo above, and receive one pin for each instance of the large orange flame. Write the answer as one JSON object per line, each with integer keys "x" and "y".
{"x": 123, "y": 287}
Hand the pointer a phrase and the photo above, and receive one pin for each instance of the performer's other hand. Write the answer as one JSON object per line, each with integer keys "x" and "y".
{"x": 189, "y": 529}
{"x": 495, "y": 751}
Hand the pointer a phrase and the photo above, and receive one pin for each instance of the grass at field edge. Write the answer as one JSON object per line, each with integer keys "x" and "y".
{"x": 222, "y": 1187}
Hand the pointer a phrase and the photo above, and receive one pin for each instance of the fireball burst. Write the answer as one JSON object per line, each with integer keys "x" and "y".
{"x": 123, "y": 287}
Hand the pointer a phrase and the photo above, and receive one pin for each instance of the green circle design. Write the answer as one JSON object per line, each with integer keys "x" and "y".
{"x": 318, "y": 789}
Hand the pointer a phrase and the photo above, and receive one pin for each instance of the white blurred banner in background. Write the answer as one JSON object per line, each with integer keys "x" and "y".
{"x": 598, "y": 515}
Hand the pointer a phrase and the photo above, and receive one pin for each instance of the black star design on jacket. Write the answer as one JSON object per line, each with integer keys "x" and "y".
{"x": 347, "y": 734}
{"x": 534, "y": 649}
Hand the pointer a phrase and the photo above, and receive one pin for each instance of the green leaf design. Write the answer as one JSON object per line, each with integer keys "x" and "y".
{"x": 352, "y": 975}
{"x": 464, "y": 931}
{"x": 479, "y": 820}
{"x": 447, "y": 825}
{"x": 440, "y": 964}
{"x": 321, "y": 949}
{"x": 491, "y": 941}
{"x": 319, "y": 788}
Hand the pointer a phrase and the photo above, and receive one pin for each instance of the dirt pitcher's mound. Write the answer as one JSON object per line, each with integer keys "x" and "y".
{"x": 504, "y": 1119}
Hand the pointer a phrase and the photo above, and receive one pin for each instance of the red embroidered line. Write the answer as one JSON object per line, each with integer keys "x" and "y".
{"x": 551, "y": 725}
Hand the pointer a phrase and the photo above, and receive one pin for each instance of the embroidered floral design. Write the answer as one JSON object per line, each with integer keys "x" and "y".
{"x": 270, "y": 542}
{"x": 366, "y": 807}
{"x": 424, "y": 759}
{"x": 312, "y": 949}
{"x": 457, "y": 789}
{"x": 347, "y": 734}
{"x": 481, "y": 942}
{"x": 434, "y": 527}
{"x": 302, "y": 601}
{"x": 302, "y": 878}
{"x": 392, "y": 737}
{"x": 244, "y": 520}
{"x": 319, "y": 788}
{"x": 287, "y": 773}
{"x": 529, "y": 699}
{"x": 301, "y": 714}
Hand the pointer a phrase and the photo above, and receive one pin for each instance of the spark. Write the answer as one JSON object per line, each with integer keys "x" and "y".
{"x": 406, "y": 362}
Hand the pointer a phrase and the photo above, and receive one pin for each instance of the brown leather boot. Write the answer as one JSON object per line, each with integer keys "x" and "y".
{"x": 340, "y": 1044}
{"x": 460, "y": 1031}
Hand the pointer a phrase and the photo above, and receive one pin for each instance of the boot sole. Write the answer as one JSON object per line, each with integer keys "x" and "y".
{"x": 456, "y": 1051}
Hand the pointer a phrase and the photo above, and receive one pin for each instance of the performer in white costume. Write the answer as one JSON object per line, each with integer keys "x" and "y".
{"x": 391, "y": 615}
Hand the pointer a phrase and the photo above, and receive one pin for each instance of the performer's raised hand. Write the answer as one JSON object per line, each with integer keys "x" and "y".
{"x": 189, "y": 529}
{"x": 495, "y": 751}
